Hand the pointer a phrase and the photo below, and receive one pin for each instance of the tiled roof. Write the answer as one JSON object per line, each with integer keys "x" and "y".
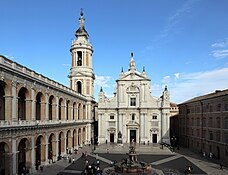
{"x": 173, "y": 104}
{"x": 217, "y": 93}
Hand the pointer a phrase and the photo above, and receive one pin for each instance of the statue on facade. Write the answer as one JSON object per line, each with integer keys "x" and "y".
{"x": 119, "y": 140}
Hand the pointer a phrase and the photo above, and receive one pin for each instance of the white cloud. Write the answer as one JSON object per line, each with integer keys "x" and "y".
{"x": 166, "y": 79}
{"x": 177, "y": 75}
{"x": 183, "y": 88}
{"x": 66, "y": 65}
{"x": 221, "y": 49}
{"x": 221, "y": 44}
{"x": 102, "y": 81}
{"x": 220, "y": 53}
{"x": 176, "y": 18}
{"x": 191, "y": 85}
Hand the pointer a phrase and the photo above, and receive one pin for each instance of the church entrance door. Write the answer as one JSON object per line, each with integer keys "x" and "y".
{"x": 111, "y": 137}
{"x": 133, "y": 135}
{"x": 154, "y": 138}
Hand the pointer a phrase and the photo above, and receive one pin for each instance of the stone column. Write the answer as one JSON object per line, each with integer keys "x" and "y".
{"x": 14, "y": 157}
{"x": 143, "y": 92}
{"x": 83, "y": 58}
{"x": 68, "y": 109}
{"x": 63, "y": 108}
{"x": 119, "y": 123}
{"x": 8, "y": 108}
{"x": 33, "y": 166}
{"x": 70, "y": 144}
{"x": 46, "y": 150}
{"x": 100, "y": 124}
{"x": 145, "y": 125}
{"x": 33, "y": 104}
{"x": 76, "y": 112}
{"x": 57, "y": 108}
{"x": 14, "y": 102}
{"x": 55, "y": 157}
{"x": 89, "y": 133}
{"x": 63, "y": 145}
{"x": 76, "y": 139}
{"x": 141, "y": 132}
{"x": 43, "y": 153}
{"x": 42, "y": 111}
{"x": 28, "y": 115}
{"x": 46, "y": 107}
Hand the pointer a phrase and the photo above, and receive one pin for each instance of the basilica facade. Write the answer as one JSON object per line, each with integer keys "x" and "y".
{"x": 41, "y": 120}
{"x": 133, "y": 113}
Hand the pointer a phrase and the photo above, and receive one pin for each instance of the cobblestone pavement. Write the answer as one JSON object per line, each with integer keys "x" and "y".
{"x": 163, "y": 161}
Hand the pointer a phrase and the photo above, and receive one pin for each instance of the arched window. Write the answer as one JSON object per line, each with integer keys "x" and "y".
{"x": 50, "y": 107}
{"x": 22, "y": 104}
{"x": 79, "y": 111}
{"x": 84, "y": 112}
{"x": 2, "y": 100}
{"x": 60, "y": 107}
{"x": 67, "y": 110}
{"x": 38, "y": 106}
{"x": 74, "y": 105}
{"x": 79, "y": 61}
{"x": 79, "y": 87}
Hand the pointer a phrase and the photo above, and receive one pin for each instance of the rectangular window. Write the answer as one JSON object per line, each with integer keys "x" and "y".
{"x": 210, "y": 122}
{"x": 188, "y": 111}
{"x": 133, "y": 102}
{"x": 112, "y": 117}
{"x": 226, "y": 138}
{"x": 226, "y": 123}
{"x": 133, "y": 116}
{"x": 204, "y": 122}
{"x": 225, "y": 107}
{"x": 203, "y": 134}
{"x": 211, "y": 136}
{"x": 154, "y": 117}
{"x": 198, "y": 122}
{"x": 218, "y": 136}
{"x": 211, "y": 108}
{"x": 218, "y": 107}
{"x": 218, "y": 122}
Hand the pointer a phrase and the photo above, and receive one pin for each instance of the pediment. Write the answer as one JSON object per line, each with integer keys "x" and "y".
{"x": 133, "y": 76}
{"x": 132, "y": 123}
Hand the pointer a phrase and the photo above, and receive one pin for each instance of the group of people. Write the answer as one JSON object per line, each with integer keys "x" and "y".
{"x": 92, "y": 169}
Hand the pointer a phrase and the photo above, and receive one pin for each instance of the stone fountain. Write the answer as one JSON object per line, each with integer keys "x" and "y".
{"x": 131, "y": 165}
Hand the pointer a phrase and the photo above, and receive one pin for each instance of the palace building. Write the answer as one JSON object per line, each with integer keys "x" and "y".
{"x": 203, "y": 124}
{"x": 133, "y": 112}
{"x": 40, "y": 119}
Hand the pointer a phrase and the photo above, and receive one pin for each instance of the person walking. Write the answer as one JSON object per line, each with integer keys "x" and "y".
{"x": 221, "y": 165}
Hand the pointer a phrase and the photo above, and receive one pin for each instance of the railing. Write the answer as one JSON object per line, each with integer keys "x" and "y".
{"x": 9, "y": 123}
{"x": 15, "y": 66}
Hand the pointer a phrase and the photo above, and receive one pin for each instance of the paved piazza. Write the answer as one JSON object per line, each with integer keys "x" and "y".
{"x": 163, "y": 161}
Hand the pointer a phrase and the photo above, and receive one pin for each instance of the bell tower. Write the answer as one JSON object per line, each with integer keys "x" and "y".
{"x": 81, "y": 74}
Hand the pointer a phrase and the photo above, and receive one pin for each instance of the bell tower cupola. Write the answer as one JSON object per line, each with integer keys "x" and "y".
{"x": 81, "y": 74}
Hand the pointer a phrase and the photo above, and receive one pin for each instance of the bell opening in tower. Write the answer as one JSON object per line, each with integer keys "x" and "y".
{"x": 79, "y": 87}
{"x": 79, "y": 62}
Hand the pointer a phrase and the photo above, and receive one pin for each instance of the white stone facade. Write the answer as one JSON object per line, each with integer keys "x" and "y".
{"x": 133, "y": 111}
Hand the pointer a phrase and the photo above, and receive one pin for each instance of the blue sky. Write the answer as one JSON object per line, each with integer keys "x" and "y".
{"x": 181, "y": 43}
